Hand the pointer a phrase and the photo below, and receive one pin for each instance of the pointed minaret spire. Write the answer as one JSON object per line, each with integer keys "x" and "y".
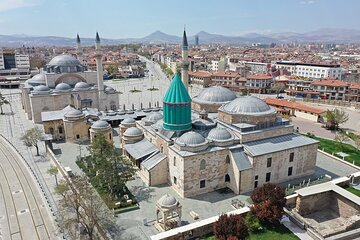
{"x": 184, "y": 40}
{"x": 78, "y": 38}
{"x": 185, "y": 61}
{"x": 97, "y": 37}
{"x": 100, "y": 75}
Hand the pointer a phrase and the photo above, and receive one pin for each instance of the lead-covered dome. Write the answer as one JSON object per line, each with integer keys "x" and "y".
{"x": 74, "y": 113}
{"x": 81, "y": 86}
{"x": 219, "y": 134}
{"x": 154, "y": 117}
{"x": 38, "y": 79}
{"x": 64, "y": 60}
{"x": 167, "y": 201}
{"x": 215, "y": 94}
{"x": 248, "y": 105}
{"x": 41, "y": 89}
{"x": 100, "y": 124}
{"x": 128, "y": 120}
{"x": 62, "y": 87}
{"x": 133, "y": 132}
{"x": 191, "y": 139}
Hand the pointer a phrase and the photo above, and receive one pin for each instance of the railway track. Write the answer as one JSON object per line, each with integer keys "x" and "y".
{"x": 26, "y": 215}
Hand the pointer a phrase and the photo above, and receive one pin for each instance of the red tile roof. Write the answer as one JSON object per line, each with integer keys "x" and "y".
{"x": 330, "y": 82}
{"x": 225, "y": 74}
{"x": 200, "y": 74}
{"x": 294, "y": 105}
{"x": 260, "y": 76}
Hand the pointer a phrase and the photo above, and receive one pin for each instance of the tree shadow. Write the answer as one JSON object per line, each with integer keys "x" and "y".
{"x": 142, "y": 193}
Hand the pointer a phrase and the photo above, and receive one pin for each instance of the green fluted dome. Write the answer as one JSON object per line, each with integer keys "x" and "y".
{"x": 177, "y": 106}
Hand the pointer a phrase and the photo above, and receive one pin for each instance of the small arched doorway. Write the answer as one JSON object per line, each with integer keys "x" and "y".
{"x": 227, "y": 178}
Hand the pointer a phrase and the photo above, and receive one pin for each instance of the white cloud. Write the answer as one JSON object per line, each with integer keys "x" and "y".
{"x": 307, "y": 2}
{"x": 6, "y": 5}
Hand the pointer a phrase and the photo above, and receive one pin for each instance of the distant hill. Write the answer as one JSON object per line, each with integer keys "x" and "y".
{"x": 325, "y": 35}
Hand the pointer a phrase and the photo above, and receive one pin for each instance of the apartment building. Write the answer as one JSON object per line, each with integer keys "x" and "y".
{"x": 259, "y": 83}
{"x": 330, "y": 88}
{"x": 311, "y": 70}
{"x": 14, "y": 66}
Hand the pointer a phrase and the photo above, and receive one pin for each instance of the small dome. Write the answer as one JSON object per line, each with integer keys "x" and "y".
{"x": 219, "y": 134}
{"x": 248, "y": 105}
{"x": 191, "y": 139}
{"x": 74, "y": 113}
{"x": 154, "y": 117}
{"x": 109, "y": 89}
{"x": 81, "y": 86}
{"x": 38, "y": 79}
{"x": 100, "y": 124}
{"x": 128, "y": 120}
{"x": 64, "y": 60}
{"x": 41, "y": 88}
{"x": 133, "y": 132}
{"x": 167, "y": 201}
{"x": 215, "y": 94}
{"x": 62, "y": 87}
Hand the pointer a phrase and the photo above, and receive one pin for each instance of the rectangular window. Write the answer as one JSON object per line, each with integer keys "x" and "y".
{"x": 77, "y": 136}
{"x": 269, "y": 160}
{"x": 268, "y": 176}
{"x": 290, "y": 171}
{"x": 256, "y": 177}
{"x": 175, "y": 180}
{"x": 291, "y": 157}
{"x": 202, "y": 183}
{"x": 174, "y": 161}
{"x": 255, "y": 184}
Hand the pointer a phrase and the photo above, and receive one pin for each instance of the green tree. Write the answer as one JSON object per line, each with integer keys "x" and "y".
{"x": 112, "y": 68}
{"x": 336, "y": 117}
{"x": 53, "y": 171}
{"x": 3, "y": 101}
{"x": 341, "y": 137}
{"x": 278, "y": 88}
{"x": 32, "y": 137}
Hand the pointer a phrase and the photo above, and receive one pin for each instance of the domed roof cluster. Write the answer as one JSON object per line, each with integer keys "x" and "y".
{"x": 248, "y": 105}
{"x": 215, "y": 94}
{"x": 133, "y": 132}
{"x": 62, "y": 87}
{"x": 191, "y": 139}
{"x": 74, "y": 113}
{"x": 64, "y": 60}
{"x": 167, "y": 201}
{"x": 152, "y": 118}
{"x": 41, "y": 89}
{"x": 100, "y": 124}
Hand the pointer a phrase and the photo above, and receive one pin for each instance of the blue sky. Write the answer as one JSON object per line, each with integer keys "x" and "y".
{"x": 138, "y": 18}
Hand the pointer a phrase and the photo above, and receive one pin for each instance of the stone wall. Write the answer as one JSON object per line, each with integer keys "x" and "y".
{"x": 241, "y": 118}
{"x": 265, "y": 133}
{"x": 159, "y": 173}
{"x": 312, "y": 203}
{"x": 74, "y": 128}
{"x": 55, "y": 126}
{"x": 344, "y": 207}
{"x": 210, "y": 108}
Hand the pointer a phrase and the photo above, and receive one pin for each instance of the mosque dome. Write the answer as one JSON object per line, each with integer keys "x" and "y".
{"x": 133, "y": 132}
{"x": 109, "y": 89}
{"x": 81, "y": 86}
{"x": 219, "y": 134}
{"x": 38, "y": 79}
{"x": 248, "y": 105}
{"x": 215, "y": 94}
{"x": 41, "y": 89}
{"x": 74, "y": 113}
{"x": 128, "y": 120}
{"x": 64, "y": 60}
{"x": 154, "y": 117}
{"x": 191, "y": 139}
{"x": 167, "y": 201}
{"x": 62, "y": 87}
{"x": 100, "y": 124}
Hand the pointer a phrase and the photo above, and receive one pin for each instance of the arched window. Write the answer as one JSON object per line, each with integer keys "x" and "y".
{"x": 60, "y": 130}
{"x": 227, "y": 178}
{"x": 227, "y": 160}
{"x": 202, "y": 164}
{"x": 110, "y": 136}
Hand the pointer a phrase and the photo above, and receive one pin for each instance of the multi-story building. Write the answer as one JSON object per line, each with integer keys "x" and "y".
{"x": 14, "y": 66}
{"x": 330, "y": 88}
{"x": 259, "y": 83}
{"x": 311, "y": 70}
{"x": 353, "y": 94}
{"x": 201, "y": 78}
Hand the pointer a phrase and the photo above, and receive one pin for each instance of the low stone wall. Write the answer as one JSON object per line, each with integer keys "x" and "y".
{"x": 194, "y": 230}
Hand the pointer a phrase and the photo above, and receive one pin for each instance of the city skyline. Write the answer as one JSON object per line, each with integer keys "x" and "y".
{"x": 117, "y": 19}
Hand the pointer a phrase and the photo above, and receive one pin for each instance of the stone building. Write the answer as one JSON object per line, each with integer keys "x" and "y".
{"x": 225, "y": 141}
{"x": 103, "y": 128}
{"x": 66, "y": 81}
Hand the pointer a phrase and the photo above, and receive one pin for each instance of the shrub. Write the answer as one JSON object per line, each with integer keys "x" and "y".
{"x": 230, "y": 227}
{"x": 252, "y": 222}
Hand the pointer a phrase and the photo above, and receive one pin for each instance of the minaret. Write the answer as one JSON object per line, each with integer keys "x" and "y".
{"x": 185, "y": 62}
{"x": 78, "y": 48}
{"x": 99, "y": 73}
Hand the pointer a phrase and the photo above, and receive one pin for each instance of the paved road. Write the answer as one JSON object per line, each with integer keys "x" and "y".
{"x": 23, "y": 212}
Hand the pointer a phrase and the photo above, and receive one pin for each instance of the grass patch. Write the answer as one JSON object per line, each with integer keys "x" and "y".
{"x": 331, "y": 147}
{"x": 353, "y": 190}
{"x": 269, "y": 232}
